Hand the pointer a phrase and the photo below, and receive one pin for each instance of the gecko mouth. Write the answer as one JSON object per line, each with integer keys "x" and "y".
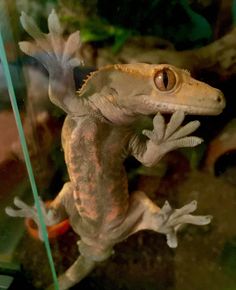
{"x": 191, "y": 110}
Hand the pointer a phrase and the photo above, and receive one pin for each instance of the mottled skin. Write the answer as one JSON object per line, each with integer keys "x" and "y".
{"x": 100, "y": 131}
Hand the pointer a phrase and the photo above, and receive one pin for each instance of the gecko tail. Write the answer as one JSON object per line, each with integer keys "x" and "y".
{"x": 51, "y": 49}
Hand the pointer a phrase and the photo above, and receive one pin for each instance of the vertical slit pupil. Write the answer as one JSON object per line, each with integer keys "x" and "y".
{"x": 165, "y": 78}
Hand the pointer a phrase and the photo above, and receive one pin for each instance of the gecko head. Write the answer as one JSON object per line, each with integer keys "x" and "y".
{"x": 178, "y": 90}
{"x": 165, "y": 88}
{"x": 123, "y": 92}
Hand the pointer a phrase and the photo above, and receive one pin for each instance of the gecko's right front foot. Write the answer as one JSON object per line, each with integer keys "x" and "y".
{"x": 55, "y": 53}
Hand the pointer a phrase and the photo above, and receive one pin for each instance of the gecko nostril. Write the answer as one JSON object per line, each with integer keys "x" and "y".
{"x": 219, "y": 98}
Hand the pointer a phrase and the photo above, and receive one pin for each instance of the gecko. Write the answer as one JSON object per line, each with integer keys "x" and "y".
{"x": 100, "y": 131}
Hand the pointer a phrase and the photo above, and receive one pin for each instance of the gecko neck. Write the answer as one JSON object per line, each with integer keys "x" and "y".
{"x": 110, "y": 112}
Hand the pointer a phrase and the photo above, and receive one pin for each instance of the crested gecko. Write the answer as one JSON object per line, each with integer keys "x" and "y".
{"x": 98, "y": 134}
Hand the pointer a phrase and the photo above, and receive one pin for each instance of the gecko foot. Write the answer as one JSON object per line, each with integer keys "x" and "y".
{"x": 171, "y": 136}
{"x": 170, "y": 220}
{"x": 26, "y": 211}
{"x": 60, "y": 53}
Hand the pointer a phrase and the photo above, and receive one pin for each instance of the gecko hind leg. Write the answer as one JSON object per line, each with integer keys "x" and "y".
{"x": 166, "y": 220}
{"x": 169, "y": 220}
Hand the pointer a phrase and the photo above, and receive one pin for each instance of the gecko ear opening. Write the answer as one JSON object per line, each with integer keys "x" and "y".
{"x": 165, "y": 79}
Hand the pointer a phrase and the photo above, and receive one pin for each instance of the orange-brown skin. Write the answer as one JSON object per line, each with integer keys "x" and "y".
{"x": 97, "y": 143}
{"x": 102, "y": 128}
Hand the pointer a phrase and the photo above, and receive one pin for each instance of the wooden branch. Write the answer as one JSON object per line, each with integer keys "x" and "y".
{"x": 218, "y": 57}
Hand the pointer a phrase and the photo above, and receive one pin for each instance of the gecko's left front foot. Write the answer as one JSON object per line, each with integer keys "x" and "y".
{"x": 172, "y": 136}
{"x": 169, "y": 220}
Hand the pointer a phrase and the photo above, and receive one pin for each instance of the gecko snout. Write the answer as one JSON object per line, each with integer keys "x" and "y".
{"x": 220, "y": 98}
{"x": 219, "y": 101}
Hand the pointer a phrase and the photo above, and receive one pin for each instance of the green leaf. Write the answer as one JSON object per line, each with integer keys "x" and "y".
{"x": 194, "y": 155}
{"x": 228, "y": 258}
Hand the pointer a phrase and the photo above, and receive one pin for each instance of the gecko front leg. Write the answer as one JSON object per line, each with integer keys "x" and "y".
{"x": 164, "y": 138}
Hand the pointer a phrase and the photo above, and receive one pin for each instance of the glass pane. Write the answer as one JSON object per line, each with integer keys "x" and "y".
{"x": 115, "y": 145}
{"x": 14, "y": 153}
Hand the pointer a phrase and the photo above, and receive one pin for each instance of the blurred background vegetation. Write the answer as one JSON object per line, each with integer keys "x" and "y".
{"x": 175, "y": 25}
{"x": 185, "y": 23}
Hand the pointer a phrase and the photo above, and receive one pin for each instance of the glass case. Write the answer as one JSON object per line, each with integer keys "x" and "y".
{"x": 37, "y": 160}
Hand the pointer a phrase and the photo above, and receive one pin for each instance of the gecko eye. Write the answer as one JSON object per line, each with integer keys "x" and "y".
{"x": 165, "y": 79}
